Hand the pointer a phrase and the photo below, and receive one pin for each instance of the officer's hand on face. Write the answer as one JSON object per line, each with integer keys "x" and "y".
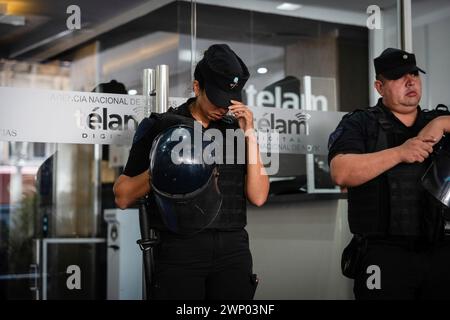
{"x": 243, "y": 114}
{"x": 433, "y": 131}
{"x": 415, "y": 150}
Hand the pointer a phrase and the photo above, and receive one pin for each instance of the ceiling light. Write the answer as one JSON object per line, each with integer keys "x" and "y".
{"x": 132, "y": 92}
{"x": 286, "y": 6}
{"x": 262, "y": 70}
{"x": 186, "y": 55}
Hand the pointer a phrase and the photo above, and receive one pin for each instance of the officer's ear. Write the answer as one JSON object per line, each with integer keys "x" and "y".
{"x": 196, "y": 88}
{"x": 378, "y": 84}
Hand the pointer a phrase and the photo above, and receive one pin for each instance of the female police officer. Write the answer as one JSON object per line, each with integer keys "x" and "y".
{"x": 215, "y": 263}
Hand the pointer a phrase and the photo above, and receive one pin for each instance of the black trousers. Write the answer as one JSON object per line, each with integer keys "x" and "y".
{"x": 406, "y": 271}
{"x": 211, "y": 265}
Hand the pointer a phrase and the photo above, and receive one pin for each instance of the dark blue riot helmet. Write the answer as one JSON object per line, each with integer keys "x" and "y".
{"x": 184, "y": 179}
{"x": 436, "y": 179}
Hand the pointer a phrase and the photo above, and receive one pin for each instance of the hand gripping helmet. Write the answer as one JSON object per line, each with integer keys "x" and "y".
{"x": 184, "y": 179}
{"x": 437, "y": 177}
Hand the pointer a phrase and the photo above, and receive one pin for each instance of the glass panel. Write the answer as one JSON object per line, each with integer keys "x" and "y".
{"x": 382, "y": 38}
{"x": 20, "y": 218}
{"x": 47, "y": 190}
{"x": 281, "y": 49}
{"x": 431, "y": 44}
{"x": 50, "y": 190}
{"x": 83, "y": 262}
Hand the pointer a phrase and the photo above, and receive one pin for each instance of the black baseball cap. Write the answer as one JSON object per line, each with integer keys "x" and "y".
{"x": 224, "y": 75}
{"x": 395, "y": 63}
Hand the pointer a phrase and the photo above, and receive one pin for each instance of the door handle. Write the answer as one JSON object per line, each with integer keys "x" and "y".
{"x": 34, "y": 275}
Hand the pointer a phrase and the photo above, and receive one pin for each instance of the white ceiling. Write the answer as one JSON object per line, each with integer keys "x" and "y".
{"x": 351, "y": 12}
{"x": 45, "y": 27}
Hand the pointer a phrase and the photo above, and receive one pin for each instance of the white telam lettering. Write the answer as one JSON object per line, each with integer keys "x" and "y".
{"x": 283, "y": 100}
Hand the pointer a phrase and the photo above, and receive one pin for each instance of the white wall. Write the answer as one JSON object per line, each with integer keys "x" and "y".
{"x": 297, "y": 248}
{"x": 431, "y": 44}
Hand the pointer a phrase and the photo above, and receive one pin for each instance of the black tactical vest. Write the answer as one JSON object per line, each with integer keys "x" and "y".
{"x": 233, "y": 211}
{"x": 398, "y": 189}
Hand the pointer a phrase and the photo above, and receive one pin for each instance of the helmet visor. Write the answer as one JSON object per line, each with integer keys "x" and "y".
{"x": 437, "y": 178}
{"x": 190, "y": 213}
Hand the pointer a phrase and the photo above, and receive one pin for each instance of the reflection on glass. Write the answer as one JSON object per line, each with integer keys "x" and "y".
{"x": 50, "y": 191}
{"x": 431, "y": 45}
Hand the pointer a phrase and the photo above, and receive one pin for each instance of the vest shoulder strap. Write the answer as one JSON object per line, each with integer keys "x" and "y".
{"x": 378, "y": 130}
{"x": 144, "y": 126}
{"x": 440, "y": 110}
{"x": 442, "y": 107}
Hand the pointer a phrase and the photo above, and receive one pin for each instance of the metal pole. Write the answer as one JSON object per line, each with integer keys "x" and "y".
{"x": 310, "y": 183}
{"x": 193, "y": 37}
{"x": 162, "y": 88}
{"x": 148, "y": 90}
{"x": 155, "y": 84}
{"x": 405, "y": 24}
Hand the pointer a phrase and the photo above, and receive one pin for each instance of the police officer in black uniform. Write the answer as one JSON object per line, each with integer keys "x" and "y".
{"x": 214, "y": 263}
{"x": 399, "y": 249}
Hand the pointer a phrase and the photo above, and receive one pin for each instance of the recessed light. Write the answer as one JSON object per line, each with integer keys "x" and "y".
{"x": 132, "y": 92}
{"x": 262, "y": 70}
{"x": 186, "y": 55}
{"x": 286, "y": 6}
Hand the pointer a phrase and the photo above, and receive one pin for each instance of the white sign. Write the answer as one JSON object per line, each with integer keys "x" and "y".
{"x": 68, "y": 117}
{"x": 98, "y": 118}
{"x": 299, "y": 131}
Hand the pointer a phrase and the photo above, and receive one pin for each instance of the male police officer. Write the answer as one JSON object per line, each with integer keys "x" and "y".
{"x": 380, "y": 154}
{"x": 214, "y": 263}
